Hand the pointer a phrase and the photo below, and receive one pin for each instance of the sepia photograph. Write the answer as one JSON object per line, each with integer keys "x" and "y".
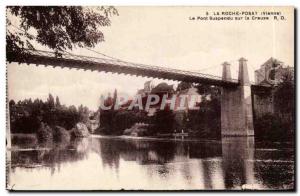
{"x": 150, "y": 98}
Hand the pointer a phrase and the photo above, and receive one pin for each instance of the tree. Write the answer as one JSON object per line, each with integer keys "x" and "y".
{"x": 284, "y": 101}
{"x": 12, "y": 103}
{"x": 201, "y": 120}
{"x": 83, "y": 113}
{"x": 207, "y": 90}
{"x": 26, "y": 116}
{"x": 107, "y": 116}
{"x": 50, "y": 101}
{"x": 183, "y": 86}
{"x": 56, "y": 27}
{"x": 284, "y": 95}
{"x": 164, "y": 121}
{"x": 57, "y": 102}
{"x": 115, "y": 97}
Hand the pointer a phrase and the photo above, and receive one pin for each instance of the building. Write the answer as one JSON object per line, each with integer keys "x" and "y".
{"x": 184, "y": 100}
{"x": 148, "y": 86}
{"x": 271, "y": 72}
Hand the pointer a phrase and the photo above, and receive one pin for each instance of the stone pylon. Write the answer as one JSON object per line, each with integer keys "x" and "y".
{"x": 226, "y": 75}
{"x": 236, "y": 103}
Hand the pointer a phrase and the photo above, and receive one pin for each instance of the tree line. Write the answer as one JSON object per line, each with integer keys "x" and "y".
{"x": 167, "y": 121}
{"x": 206, "y": 121}
{"x": 27, "y": 116}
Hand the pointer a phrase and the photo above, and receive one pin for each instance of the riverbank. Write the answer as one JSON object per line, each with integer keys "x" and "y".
{"x": 147, "y": 138}
{"x": 32, "y": 137}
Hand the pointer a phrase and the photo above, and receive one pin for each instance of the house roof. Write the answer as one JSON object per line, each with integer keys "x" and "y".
{"x": 162, "y": 87}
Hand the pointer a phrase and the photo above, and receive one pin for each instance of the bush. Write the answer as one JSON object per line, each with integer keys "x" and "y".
{"x": 60, "y": 135}
{"x": 44, "y": 133}
{"x": 100, "y": 131}
{"x": 270, "y": 127}
{"x": 80, "y": 130}
{"x": 115, "y": 122}
{"x": 138, "y": 129}
{"x": 163, "y": 121}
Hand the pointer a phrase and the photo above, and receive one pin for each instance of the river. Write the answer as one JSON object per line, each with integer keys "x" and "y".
{"x": 114, "y": 163}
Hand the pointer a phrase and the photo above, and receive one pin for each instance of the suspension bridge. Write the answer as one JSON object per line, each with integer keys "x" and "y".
{"x": 68, "y": 60}
{"x": 236, "y": 101}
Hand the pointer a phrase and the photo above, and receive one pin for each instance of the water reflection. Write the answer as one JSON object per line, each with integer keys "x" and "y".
{"x": 115, "y": 163}
{"x": 50, "y": 157}
{"x": 238, "y": 154}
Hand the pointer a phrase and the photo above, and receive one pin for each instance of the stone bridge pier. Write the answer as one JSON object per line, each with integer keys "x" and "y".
{"x": 236, "y": 103}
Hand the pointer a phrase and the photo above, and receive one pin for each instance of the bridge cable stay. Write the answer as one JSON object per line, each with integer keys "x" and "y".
{"x": 237, "y": 72}
{"x": 143, "y": 66}
{"x": 67, "y": 51}
{"x": 257, "y": 72}
{"x": 17, "y": 28}
{"x": 70, "y": 56}
{"x": 157, "y": 67}
{"x": 205, "y": 69}
{"x": 63, "y": 51}
{"x": 211, "y": 67}
{"x": 125, "y": 61}
{"x": 103, "y": 54}
{"x": 116, "y": 60}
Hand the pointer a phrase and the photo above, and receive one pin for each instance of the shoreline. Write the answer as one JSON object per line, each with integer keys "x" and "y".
{"x": 152, "y": 138}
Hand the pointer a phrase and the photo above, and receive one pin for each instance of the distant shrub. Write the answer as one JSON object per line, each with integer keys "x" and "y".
{"x": 138, "y": 129}
{"x": 44, "y": 133}
{"x": 80, "y": 130}
{"x": 163, "y": 122}
{"x": 271, "y": 127}
{"x": 60, "y": 134}
{"x": 115, "y": 122}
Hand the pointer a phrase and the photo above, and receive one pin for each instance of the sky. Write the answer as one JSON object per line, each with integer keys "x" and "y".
{"x": 161, "y": 36}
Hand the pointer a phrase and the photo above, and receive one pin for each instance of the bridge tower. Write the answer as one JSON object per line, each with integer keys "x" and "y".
{"x": 236, "y": 103}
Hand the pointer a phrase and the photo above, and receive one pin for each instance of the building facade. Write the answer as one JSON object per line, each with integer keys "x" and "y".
{"x": 270, "y": 74}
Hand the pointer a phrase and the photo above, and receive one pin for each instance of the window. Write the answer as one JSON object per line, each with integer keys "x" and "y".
{"x": 272, "y": 74}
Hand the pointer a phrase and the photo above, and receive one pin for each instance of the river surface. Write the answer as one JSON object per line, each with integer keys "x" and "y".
{"x": 105, "y": 163}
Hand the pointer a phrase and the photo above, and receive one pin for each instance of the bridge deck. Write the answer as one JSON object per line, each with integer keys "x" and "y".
{"x": 118, "y": 66}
